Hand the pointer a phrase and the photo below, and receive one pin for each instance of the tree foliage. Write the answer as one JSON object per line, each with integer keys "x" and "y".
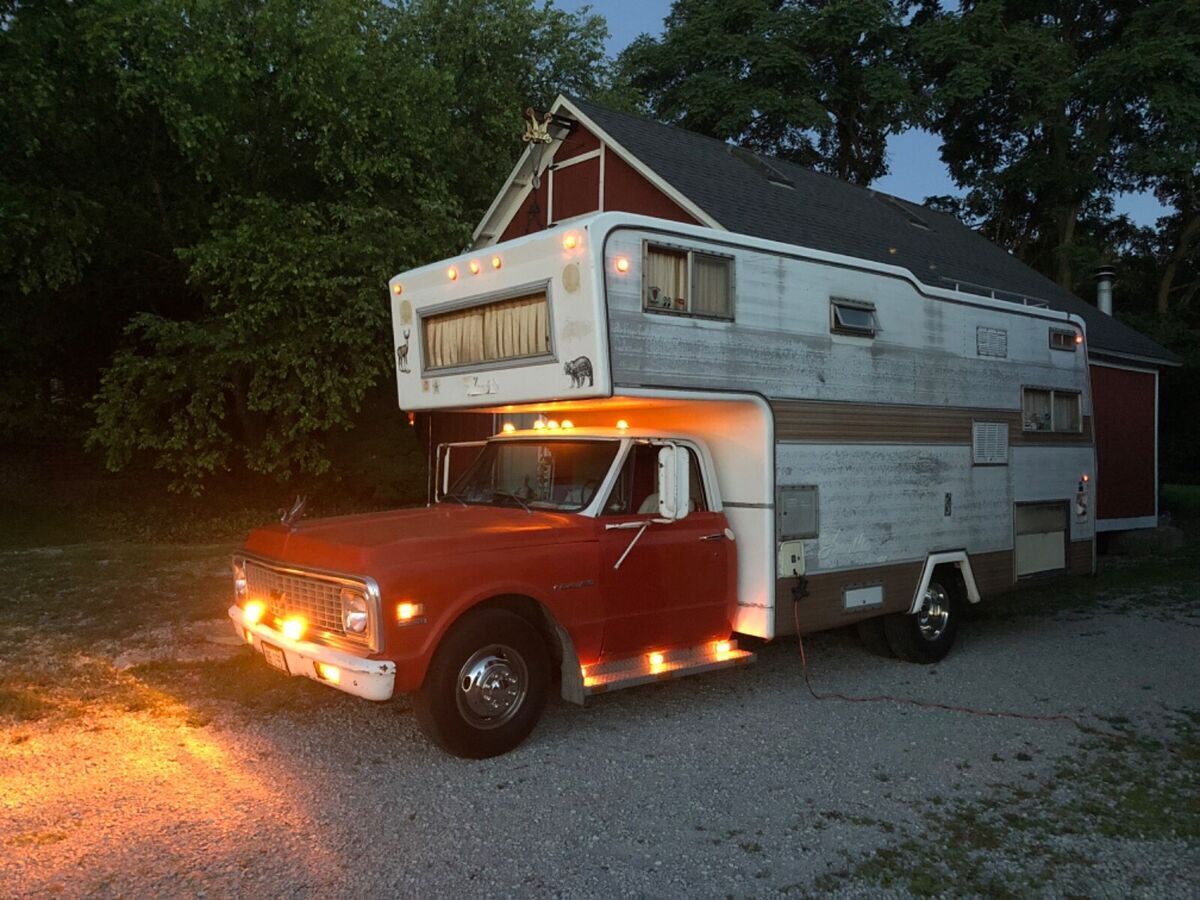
{"x": 203, "y": 200}
{"x": 1046, "y": 110}
{"x": 820, "y": 82}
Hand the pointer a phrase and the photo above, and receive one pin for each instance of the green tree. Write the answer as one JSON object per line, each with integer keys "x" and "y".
{"x": 203, "y": 201}
{"x": 820, "y": 82}
{"x": 1046, "y": 110}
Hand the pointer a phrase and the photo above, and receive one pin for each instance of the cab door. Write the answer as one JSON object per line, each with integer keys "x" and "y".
{"x": 663, "y": 584}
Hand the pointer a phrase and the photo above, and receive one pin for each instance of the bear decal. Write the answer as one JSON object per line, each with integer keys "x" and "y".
{"x": 579, "y": 369}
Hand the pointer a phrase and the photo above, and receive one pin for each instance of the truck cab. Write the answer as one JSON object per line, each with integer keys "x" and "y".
{"x": 583, "y": 557}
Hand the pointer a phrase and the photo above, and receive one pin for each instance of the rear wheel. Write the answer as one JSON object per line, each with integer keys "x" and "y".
{"x": 486, "y": 687}
{"x": 926, "y": 636}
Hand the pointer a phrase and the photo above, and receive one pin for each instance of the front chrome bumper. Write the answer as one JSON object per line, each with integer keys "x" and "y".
{"x": 371, "y": 679}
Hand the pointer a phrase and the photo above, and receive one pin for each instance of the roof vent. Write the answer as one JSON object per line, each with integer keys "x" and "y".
{"x": 913, "y": 219}
{"x": 761, "y": 166}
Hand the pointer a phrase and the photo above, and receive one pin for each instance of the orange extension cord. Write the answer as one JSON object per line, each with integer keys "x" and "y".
{"x": 921, "y": 704}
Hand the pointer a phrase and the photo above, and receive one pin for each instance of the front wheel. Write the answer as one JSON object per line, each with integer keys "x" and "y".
{"x": 924, "y": 637}
{"x": 486, "y": 687}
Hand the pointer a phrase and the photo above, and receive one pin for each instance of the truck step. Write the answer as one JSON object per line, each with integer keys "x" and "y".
{"x": 647, "y": 667}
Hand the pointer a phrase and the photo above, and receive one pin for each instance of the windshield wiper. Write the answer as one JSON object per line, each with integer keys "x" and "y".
{"x": 525, "y": 506}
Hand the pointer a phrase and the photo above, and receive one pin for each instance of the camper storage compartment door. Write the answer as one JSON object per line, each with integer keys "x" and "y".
{"x": 1041, "y": 537}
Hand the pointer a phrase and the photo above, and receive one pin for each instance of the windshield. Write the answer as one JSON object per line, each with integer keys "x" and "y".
{"x": 560, "y": 474}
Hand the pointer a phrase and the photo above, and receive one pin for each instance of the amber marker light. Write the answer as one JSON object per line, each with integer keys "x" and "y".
{"x": 622, "y": 425}
{"x": 1086, "y": 478}
{"x": 570, "y": 241}
{"x": 397, "y": 289}
{"x": 253, "y": 612}
{"x": 567, "y": 423}
{"x": 329, "y": 673}
{"x": 294, "y": 628}
{"x": 509, "y": 428}
{"x": 552, "y": 424}
{"x": 406, "y": 611}
{"x": 656, "y": 659}
{"x": 539, "y": 425}
{"x": 622, "y": 264}
{"x": 474, "y": 266}
{"x": 496, "y": 262}
{"x": 722, "y": 648}
{"x": 452, "y": 273}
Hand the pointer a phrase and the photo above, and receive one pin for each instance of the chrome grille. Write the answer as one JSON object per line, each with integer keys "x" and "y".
{"x": 316, "y": 597}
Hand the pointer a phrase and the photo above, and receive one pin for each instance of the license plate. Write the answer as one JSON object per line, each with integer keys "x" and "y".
{"x": 275, "y": 657}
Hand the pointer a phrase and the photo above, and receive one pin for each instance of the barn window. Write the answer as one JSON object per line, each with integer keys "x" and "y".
{"x": 1064, "y": 339}
{"x": 852, "y": 317}
{"x": 1044, "y": 409}
{"x": 513, "y": 328}
{"x": 688, "y": 282}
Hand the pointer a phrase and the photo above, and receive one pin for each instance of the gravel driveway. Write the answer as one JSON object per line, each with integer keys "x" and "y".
{"x": 735, "y": 783}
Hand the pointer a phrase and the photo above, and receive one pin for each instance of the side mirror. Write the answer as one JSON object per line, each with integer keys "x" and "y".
{"x": 674, "y": 483}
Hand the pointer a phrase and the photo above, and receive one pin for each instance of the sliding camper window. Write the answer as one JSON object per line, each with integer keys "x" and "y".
{"x": 852, "y": 317}
{"x": 513, "y": 328}
{"x": 1064, "y": 339}
{"x": 687, "y": 282}
{"x": 1044, "y": 409}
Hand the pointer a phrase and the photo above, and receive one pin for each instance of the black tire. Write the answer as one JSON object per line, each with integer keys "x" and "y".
{"x": 870, "y": 632}
{"x": 926, "y": 637}
{"x": 486, "y": 686}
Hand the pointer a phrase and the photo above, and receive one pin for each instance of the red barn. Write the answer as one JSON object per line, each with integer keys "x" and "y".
{"x": 605, "y": 160}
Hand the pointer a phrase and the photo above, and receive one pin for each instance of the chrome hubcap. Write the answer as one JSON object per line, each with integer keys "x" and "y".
{"x": 491, "y": 686}
{"x": 934, "y": 614}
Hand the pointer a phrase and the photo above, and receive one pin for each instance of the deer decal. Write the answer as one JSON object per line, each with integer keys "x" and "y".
{"x": 402, "y": 354}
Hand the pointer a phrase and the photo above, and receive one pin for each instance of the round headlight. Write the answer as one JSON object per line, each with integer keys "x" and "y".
{"x": 354, "y": 612}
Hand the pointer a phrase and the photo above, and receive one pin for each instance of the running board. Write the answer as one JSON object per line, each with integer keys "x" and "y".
{"x": 647, "y": 667}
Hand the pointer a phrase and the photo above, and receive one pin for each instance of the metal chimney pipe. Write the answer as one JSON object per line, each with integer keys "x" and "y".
{"x": 1105, "y": 276}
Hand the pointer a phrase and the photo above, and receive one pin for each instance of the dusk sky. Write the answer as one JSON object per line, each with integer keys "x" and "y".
{"x": 916, "y": 172}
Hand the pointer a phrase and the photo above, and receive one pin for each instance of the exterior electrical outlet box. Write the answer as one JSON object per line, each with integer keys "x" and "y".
{"x": 791, "y": 559}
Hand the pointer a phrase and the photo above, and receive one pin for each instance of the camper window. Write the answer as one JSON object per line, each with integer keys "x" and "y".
{"x": 1061, "y": 339}
{"x": 687, "y": 282}
{"x": 853, "y": 317}
{"x": 1043, "y": 409}
{"x": 507, "y": 329}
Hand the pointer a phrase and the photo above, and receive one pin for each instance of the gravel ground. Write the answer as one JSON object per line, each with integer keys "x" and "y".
{"x": 735, "y": 783}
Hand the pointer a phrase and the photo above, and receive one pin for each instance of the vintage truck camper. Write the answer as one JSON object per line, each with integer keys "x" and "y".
{"x": 701, "y": 441}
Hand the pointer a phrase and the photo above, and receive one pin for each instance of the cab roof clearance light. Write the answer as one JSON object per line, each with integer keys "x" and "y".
{"x": 622, "y": 425}
{"x": 539, "y": 425}
{"x": 567, "y": 423}
{"x": 509, "y": 428}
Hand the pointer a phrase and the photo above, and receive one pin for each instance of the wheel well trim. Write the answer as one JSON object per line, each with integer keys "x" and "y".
{"x": 957, "y": 558}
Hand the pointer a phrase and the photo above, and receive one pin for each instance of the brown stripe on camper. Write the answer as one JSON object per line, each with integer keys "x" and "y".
{"x": 823, "y": 606}
{"x": 1081, "y": 558}
{"x": 878, "y": 423}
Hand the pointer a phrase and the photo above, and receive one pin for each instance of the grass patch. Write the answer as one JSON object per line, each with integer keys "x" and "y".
{"x": 21, "y": 703}
{"x": 1181, "y": 499}
{"x": 1127, "y": 788}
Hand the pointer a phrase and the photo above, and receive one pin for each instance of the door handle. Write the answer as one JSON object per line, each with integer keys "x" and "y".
{"x": 719, "y": 536}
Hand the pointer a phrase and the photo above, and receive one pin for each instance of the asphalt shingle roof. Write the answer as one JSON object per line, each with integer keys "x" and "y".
{"x": 825, "y": 213}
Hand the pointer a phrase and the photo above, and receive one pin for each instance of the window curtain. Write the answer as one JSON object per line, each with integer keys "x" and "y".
{"x": 510, "y": 329}
{"x": 666, "y": 280}
{"x": 710, "y": 293}
{"x": 1066, "y": 411}
{"x": 1037, "y": 410}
